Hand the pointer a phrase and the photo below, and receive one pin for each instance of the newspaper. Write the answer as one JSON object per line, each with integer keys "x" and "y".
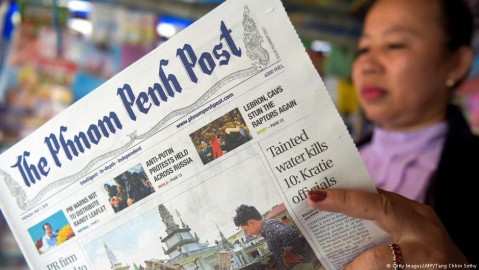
{"x": 154, "y": 168}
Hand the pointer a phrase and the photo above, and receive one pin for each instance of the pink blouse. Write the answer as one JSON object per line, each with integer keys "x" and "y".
{"x": 404, "y": 162}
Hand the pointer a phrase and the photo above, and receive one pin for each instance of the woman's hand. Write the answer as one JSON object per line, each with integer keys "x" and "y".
{"x": 413, "y": 226}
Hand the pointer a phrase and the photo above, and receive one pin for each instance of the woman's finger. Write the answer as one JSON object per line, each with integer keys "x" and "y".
{"x": 415, "y": 228}
{"x": 388, "y": 210}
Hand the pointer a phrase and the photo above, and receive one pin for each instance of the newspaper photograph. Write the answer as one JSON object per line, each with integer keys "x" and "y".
{"x": 200, "y": 155}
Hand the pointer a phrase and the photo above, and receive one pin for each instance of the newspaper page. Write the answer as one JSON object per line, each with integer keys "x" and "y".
{"x": 159, "y": 167}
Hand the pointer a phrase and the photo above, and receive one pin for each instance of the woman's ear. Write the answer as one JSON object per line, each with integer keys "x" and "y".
{"x": 461, "y": 64}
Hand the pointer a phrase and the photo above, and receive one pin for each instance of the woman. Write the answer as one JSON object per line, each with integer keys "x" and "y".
{"x": 411, "y": 56}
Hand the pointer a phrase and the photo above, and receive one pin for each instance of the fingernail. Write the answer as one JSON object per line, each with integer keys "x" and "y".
{"x": 317, "y": 195}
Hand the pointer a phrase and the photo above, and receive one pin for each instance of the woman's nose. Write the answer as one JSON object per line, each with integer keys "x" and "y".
{"x": 370, "y": 63}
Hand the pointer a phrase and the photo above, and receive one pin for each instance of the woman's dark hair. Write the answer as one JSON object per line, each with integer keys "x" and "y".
{"x": 245, "y": 213}
{"x": 458, "y": 23}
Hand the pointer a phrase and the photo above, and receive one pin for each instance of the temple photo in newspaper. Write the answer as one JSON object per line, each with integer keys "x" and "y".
{"x": 209, "y": 227}
{"x": 182, "y": 248}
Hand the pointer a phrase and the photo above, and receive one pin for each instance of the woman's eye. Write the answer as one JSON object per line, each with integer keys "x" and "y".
{"x": 396, "y": 46}
{"x": 361, "y": 51}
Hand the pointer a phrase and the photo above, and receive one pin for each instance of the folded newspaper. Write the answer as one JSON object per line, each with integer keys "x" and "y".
{"x": 197, "y": 156}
